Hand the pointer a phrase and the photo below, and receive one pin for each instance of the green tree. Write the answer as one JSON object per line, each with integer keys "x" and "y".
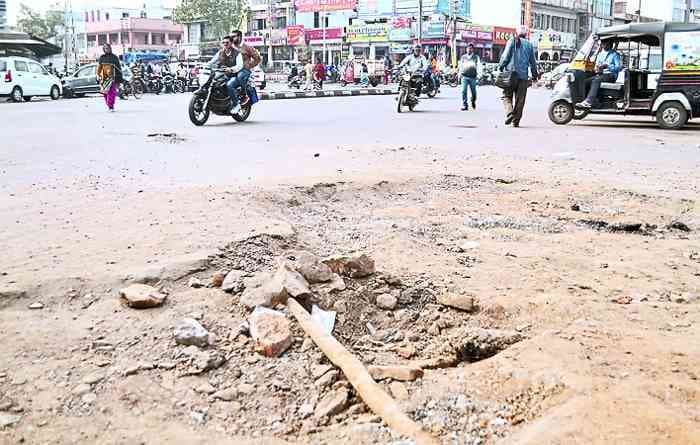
{"x": 48, "y": 26}
{"x": 221, "y": 16}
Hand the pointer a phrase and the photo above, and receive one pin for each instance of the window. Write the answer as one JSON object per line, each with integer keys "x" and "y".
{"x": 21, "y": 66}
{"x": 87, "y": 71}
{"x": 281, "y": 22}
{"x": 317, "y": 20}
{"x": 92, "y": 16}
{"x": 98, "y": 16}
{"x": 125, "y": 15}
{"x": 259, "y": 24}
{"x": 87, "y": 16}
{"x": 36, "y": 68}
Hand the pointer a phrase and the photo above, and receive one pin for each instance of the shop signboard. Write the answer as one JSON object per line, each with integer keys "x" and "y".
{"x": 317, "y": 34}
{"x": 377, "y": 32}
{"x": 501, "y": 35}
{"x": 433, "y": 29}
{"x": 324, "y": 5}
{"x": 400, "y": 48}
{"x": 474, "y": 33}
{"x": 295, "y": 35}
{"x": 400, "y": 30}
{"x": 254, "y": 40}
{"x": 278, "y": 37}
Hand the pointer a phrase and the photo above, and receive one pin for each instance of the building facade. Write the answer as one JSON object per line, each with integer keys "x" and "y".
{"x": 3, "y": 14}
{"x": 129, "y": 34}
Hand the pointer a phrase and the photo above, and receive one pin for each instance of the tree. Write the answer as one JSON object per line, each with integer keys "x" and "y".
{"x": 48, "y": 26}
{"x": 221, "y": 16}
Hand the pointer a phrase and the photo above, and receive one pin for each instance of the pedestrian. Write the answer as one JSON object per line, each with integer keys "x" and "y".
{"x": 319, "y": 73}
{"x": 109, "y": 73}
{"x": 387, "y": 68}
{"x": 518, "y": 56}
{"x": 435, "y": 73}
{"x": 364, "y": 76}
{"x": 469, "y": 65}
{"x": 308, "y": 72}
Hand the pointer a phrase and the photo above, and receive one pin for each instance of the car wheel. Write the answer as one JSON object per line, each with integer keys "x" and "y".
{"x": 28, "y": 98}
{"x": 17, "y": 94}
{"x": 672, "y": 116}
{"x": 561, "y": 112}
{"x": 67, "y": 93}
{"x": 55, "y": 92}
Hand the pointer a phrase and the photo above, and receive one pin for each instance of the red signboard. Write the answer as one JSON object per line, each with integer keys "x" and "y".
{"x": 318, "y": 34}
{"x": 295, "y": 35}
{"x": 502, "y": 35}
{"x": 324, "y": 5}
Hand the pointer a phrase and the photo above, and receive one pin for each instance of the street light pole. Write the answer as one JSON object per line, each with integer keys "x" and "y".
{"x": 420, "y": 22}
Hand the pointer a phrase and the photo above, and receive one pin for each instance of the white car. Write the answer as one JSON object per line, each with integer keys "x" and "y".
{"x": 22, "y": 78}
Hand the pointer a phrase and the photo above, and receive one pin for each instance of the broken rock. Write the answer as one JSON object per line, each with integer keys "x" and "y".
{"x": 8, "y": 419}
{"x": 226, "y": 395}
{"x": 401, "y": 373}
{"x": 353, "y": 267}
{"x": 271, "y": 331}
{"x": 333, "y": 403}
{"x": 195, "y": 282}
{"x": 189, "y": 332}
{"x": 217, "y": 278}
{"x": 387, "y": 302}
{"x": 336, "y": 284}
{"x": 461, "y": 302}
{"x": 141, "y": 296}
{"x": 311, "y": 267}
{"x": 398, "y": 390}
{"x": 233, "y": 282}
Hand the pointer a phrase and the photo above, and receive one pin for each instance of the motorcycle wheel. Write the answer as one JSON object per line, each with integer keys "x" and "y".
{"x": 198, "y": 115}
{"x": 453, "y": 83}
{"x": 402, "y": 99}
{"x": 242, "y": 115}
{"x": 431, "y": 93}
{"x": 137, "y": 89}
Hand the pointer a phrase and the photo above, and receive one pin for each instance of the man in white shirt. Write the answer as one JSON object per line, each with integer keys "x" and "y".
{"x": 469, "y": 65}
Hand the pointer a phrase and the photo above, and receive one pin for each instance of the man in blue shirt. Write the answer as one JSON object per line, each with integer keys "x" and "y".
{"x": 607, "y": 65}
{"x": 518, "y": 56}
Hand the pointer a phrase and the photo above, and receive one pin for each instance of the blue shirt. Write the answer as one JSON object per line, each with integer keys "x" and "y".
{"x": 524, "y": 58}
{"x": 612, "y": 59}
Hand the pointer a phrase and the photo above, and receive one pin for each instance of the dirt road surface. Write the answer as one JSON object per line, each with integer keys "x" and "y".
{"x": 576, "y": 247}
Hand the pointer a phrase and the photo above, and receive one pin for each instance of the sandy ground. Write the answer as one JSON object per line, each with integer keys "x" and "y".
{"x": 606, "y": 317}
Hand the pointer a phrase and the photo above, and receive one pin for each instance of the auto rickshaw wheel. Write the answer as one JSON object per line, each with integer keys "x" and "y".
{"x": 561, "y": 112}
{"x": 671, "y": 116}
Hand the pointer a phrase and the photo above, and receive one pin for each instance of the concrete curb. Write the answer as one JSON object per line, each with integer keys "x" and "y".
{"x": 326, "y": 93}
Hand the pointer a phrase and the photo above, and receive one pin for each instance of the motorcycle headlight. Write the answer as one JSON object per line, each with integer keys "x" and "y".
{"x": 406, "y": 77}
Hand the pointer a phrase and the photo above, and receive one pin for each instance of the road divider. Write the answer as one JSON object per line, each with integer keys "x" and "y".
{"x": 326, "y": 93}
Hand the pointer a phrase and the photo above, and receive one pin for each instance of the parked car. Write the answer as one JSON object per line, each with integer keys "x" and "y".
{"x": 84, "y": 81}
{"x": 22, "y": 78}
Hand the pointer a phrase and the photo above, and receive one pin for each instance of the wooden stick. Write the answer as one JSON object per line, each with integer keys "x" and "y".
{"x": 371, "y": 393}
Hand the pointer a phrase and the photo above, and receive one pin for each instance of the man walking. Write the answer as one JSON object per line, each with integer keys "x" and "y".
{"x": 469, "y": 65}
{"x": 518, "y": 56}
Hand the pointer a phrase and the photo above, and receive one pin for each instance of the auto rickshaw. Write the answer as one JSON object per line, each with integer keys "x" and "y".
{"x": 660, "y": 75}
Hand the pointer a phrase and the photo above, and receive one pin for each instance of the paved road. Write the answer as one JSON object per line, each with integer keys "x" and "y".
{"x": 52, "y": 140}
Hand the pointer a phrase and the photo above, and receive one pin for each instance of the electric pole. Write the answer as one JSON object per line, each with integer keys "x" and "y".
{"x": 420, "y": 22}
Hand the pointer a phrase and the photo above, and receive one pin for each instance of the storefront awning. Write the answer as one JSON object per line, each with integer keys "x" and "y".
{"x": 22, "y": 44}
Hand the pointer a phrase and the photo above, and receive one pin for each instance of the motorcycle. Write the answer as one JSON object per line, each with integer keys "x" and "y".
{"x": 488, "y": 77}
{"x": 154, "y": 84}
{"x": 212, "y": 97}
{"x": 429, "y": 88}
{"x": 168, "y": 83}
{"x": 294, "y": 82}
{"x": 408, "y": 85}
{"x": 451, "y": 78}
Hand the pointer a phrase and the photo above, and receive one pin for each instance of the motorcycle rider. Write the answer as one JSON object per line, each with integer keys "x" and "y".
{"x": 231, "y": 60}
{"x": 416, "y": 64}
{"x": 251, "y": 59}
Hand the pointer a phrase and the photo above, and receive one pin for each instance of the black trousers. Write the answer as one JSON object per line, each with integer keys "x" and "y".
{"x": 514, "y": 100}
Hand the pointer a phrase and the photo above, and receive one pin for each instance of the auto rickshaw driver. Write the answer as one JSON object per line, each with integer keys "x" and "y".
{"x": 608, "y": 64}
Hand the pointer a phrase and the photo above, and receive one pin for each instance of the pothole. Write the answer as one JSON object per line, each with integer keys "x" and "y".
{"x": 165, "y": 138}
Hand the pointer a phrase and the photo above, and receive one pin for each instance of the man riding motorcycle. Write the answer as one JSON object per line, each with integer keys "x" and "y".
{"x": 237, "y": 60}
{"x": 416, "y": 64}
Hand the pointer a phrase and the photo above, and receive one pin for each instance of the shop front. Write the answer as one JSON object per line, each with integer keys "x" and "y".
{"x": 553, "y": 46}
{"x": 481, "y": 36}
{"x": 370, "y": 41}
{"x": 326, "y": 44}
{"x": 433, "y": 38}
